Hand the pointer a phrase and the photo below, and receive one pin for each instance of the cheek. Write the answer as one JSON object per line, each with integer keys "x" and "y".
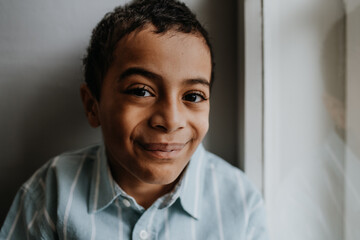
{"x": 120, "y": 121}
{"x": 204, "y": 128}
{"x": 201, "y": 124}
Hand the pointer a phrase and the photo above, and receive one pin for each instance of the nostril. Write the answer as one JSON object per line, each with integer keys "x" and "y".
{"x": 161, "y": 127}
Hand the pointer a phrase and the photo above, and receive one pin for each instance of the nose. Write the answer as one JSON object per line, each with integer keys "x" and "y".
{"x": 169, "y": 116}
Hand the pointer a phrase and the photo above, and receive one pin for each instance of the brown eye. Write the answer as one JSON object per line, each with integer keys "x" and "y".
{"x": 139, "y": 92}
{"x": 194, "y": 97}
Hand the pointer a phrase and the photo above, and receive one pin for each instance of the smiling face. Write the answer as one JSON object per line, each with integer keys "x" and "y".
{"x": 154, "y": 105}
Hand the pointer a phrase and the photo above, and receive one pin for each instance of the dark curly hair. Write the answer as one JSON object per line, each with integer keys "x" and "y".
{"x": 164, "y": 15}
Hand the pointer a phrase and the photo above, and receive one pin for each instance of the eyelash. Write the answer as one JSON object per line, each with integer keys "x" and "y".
{"x": 138, "y": 90}
{"x": 141, "y": 92}
{"x": 197, "y": 94}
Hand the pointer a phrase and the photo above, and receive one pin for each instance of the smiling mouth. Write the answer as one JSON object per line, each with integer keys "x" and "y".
{"x": 163, "y": 150}
{"x": 163, "y": 147}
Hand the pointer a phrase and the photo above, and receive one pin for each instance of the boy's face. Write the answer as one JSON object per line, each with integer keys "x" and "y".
{"x": 154, "y": 104}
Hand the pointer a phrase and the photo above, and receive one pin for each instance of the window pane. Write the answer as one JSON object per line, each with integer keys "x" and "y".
{"x": 312, "y": 116}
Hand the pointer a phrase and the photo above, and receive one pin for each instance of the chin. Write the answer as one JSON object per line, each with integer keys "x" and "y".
{"x": 160, "y": 176}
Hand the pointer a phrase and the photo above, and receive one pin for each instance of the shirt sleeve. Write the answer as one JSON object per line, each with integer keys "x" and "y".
{"x": 257, "y": 226}
{"x": 27, "y": 219}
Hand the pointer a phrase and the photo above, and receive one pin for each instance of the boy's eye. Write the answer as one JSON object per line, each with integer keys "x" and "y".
{"x": 139, "y": 92}
{"x": 194, "y": 97}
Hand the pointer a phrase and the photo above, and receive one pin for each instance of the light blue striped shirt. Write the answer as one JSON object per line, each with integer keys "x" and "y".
{"x": 74, "y": 196}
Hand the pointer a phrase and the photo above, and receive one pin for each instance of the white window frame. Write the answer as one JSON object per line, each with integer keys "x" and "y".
{"x": 252, "y": 70}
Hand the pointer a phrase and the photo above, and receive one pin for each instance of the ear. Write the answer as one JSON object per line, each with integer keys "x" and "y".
{"x": 91, "y": 106}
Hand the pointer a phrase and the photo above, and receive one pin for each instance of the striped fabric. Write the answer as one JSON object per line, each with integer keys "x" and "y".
{"x": 74, "y": 196}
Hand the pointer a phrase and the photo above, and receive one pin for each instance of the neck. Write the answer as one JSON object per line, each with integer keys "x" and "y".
{"x": 144, "y": 193}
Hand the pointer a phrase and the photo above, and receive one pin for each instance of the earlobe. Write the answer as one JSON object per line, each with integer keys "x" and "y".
{"x": 90, "y": 105}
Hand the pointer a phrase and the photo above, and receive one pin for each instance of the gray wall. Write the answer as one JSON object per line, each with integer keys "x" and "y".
{"x": 41, "y": 46}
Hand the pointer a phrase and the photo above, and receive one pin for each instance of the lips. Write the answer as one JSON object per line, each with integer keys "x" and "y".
{"x": 163, "y": 150}
{"x": 163, "y": 147}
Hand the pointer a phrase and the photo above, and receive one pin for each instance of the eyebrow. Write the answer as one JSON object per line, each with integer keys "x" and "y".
{"x": 153, "y": 76}
{"x": 139, "y": 71}
{"x": 197, "y": 81}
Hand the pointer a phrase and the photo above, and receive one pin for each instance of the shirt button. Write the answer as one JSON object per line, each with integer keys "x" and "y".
{"x": 144, "y": 234}
{"x": 126, "y": 202}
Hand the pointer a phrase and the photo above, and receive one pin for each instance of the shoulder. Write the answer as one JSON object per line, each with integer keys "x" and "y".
{"x": 59, "y": 171}
{"x": 38, "y": 200}
{"x": 75, "y": 158}
{"x": 232, "y": 181}
{"x": 227, "y": 172}
{"x": 235, "y": 198}
{"x": 68, "y": 164}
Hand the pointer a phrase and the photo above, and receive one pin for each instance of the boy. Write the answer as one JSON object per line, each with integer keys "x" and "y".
{"x": 148, "y": 73}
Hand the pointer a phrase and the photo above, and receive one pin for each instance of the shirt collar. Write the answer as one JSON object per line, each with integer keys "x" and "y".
{"x": 102, "y": 191}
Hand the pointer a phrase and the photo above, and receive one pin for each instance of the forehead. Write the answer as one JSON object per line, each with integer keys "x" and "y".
{"x": 172, "y": 49}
